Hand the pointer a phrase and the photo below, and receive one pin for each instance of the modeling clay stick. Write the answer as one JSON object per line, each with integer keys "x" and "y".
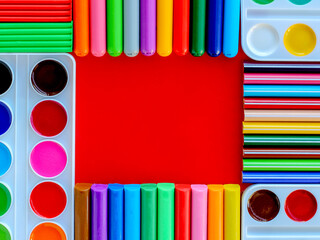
{"x": 182, "y": 211}
{"x": 82, "y": 211}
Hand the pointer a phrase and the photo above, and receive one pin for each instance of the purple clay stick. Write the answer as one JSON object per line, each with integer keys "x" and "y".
{"x": 148, "y": 20}
{"x": 99, "y": 214}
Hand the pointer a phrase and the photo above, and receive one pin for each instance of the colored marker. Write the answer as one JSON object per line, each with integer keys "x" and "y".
{"x": 81, "y": 27}
{"x": 114, "y": 27}
{"x": 281, "y": 68}
{"x": 281, "y": 140}
{"x": 198, "y": 27}
{"x": 281, "y": 177}
{"x": 148, "y": 20}
{"x": 282, "y": 78}
{"x": 149, "y": 196}
{"x": 199, "y": 201}
{"x": 132, "y": 212}
{"x": 82, "y": 211}
{"x": 164, "y": 27}
{"x": 182, "y": 211}
{"x": 281, "y": 91}
{"x": 115, "y": 212}
{"x": 253, "y": 115}
{"x": 215, "y": 212}
{"x": 279, "y": 165}
{"x": 231, "y": 212}
{"x": 166, "y": 211}
{"x": 231, "y": 27}
{"x": 99, "y": 216}
{"x": 131, "y": 27}
{"x": 215, "y": 23}
{"x": 288, "y": 153}
{"x": 181, "y": 22}
{"x": 98, "y": 27}
{"x": 281, "y": 103}
{"x": 281, "y": 127}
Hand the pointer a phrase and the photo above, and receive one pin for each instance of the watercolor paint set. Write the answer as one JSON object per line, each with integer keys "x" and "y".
{"x": 37, "y": 146}
{"x": 281, "y": 212}
{"x": 280, "y": 30}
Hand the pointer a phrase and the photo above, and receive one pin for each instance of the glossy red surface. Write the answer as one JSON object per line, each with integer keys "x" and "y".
{"x": 153, "y": 119}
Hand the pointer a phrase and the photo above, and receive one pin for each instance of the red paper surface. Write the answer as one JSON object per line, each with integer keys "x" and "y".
{"x": 153, "y": 119}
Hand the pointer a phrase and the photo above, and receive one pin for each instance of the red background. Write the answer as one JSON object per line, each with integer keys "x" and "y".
{"x": 153, "y": 119}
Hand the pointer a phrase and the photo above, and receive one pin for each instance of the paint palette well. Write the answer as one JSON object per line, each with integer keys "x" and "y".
{"x": 281, "y": 212}
{"x": 281, "y": 30}
{"x": 37, "y": 129}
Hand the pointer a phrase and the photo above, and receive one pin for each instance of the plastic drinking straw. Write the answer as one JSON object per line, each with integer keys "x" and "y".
{"x": 199, "y": 203}
{"x": 281, "y": 127}
{"x": 281, "y": 90}
{"x": 253, "y": 115}
{"x": 181, "y": 22}
{"x": 115, "y": 212}
{"x": 35, "y": 49}
{"x": 99, "y": 216}
{"x": 214, "y": 31}
{"x": 41, "y": 11}
{"x": 166, "y": 211}
{"x": 281, "y": 68}
{"x": 82, "y": 211}
{"x": 281, "y": 153}
{"x": 198, "y": 27}
{"x": 149, "y": 217}
{"x": 215, "y": 212}
{"x": 293, "y": 165}
{"x": 282, "y": 140}
{"x": 281, "y": 177}
{"x": 148, "y": 20}
{"x": 164, "y": 27}
{"x": 131, "y": 27}
{"x": 182, "y": 211}
{"x": 132, "y": 212}
{"x": 81, "y": 27}
{"x": 232, "y": 212}
{"x": 282, "y": 78}
{"x": 98, "y": 33}
{"x": 231, "y": 27}
{"x": 281, "y": 103}
{"x": 115, "y": 27}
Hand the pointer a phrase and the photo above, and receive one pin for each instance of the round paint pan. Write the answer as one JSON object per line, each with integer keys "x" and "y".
{"x": 5, "y": 159}
{"x": 6, "y": 78}
{"x": 5, "y": 199}
{"x": 301, "y": 206}
{"x": 48, "y": 200}
{"x": 300, "y": 40}
{"x": 300, "y": 2}
{"x": 48, "y": 118}
{"x": 263, "y": 2}
{"x": 263, "y": 206}
{"x": 48, "y": 231}
{"x": 263, "y": 39}
{"x": 5, "y": 118}
{"x": 49, "y": 77}
{"x": 4, "y": 232}
{"x": 48, "y": 159}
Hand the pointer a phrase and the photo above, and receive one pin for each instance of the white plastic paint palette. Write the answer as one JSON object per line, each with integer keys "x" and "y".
{"x": 281, "y": 212}
{"x": 37, "y": 134}
{"x": 281, "y": 30}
